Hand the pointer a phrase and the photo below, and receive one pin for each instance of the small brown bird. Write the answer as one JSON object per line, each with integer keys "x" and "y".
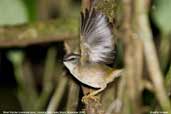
{"x": 97, "y": 50}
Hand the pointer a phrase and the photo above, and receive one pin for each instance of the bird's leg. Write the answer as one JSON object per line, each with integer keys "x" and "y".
{"x": 93, "y": 94}
{"x": 114, "y": 74}
{"x": 97, "y": 91}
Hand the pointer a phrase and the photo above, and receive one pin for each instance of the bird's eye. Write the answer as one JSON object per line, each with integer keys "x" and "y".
{"x": 71, "y": 57}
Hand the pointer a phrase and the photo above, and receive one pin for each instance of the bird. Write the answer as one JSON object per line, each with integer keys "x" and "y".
{"x": 97, "y": 50}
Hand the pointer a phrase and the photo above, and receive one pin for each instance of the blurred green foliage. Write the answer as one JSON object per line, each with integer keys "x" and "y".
{"x": 13, "y": 12}
{"x": 162, "y": 14}
{"x": 31, "y": 9}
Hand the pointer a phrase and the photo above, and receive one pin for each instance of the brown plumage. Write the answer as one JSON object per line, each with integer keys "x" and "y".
{"x": 96, "y": 40}
{"x": 97, "y": 50}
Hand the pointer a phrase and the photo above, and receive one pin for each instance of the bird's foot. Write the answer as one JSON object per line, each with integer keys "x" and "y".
{"x": 86, "y": 98}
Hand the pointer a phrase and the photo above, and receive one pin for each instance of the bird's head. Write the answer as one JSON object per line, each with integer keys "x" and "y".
{"x": 71, "y": 61}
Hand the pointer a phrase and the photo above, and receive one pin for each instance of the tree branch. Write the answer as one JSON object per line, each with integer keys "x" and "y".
{"x": 39, "y": 32}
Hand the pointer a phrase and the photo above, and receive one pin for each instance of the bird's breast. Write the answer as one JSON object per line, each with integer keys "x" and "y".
{"x": 90, "y": 75}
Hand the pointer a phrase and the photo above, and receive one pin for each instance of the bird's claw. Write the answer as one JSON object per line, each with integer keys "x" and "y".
{"x": 86, "y": 98}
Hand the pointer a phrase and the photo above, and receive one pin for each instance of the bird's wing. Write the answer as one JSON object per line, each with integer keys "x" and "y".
{"x": 97, "y": 44}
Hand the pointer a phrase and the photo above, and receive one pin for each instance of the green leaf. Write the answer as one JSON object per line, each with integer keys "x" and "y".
{"x": 162, "y": 15}
{"x": 12, "y": 12}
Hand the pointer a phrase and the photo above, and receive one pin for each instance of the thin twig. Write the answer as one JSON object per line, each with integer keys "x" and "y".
{"x": 164, "y": 50}
{"x": 49, "y": 69}
{"x": 148, "y": 85}
{"x": 55, "y": 100}
{"x": 168, "y": 81}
